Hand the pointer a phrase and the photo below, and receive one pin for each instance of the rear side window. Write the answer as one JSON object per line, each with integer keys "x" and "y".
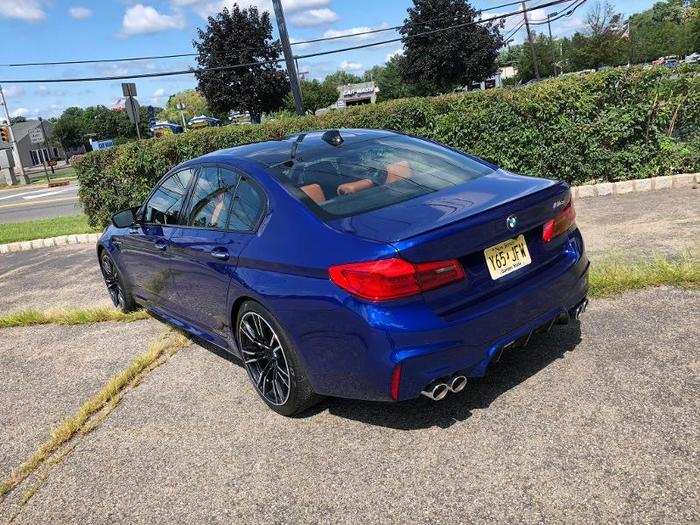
{"x": 367, "y": 175}
{"x": 247, "y": 207}
{"x": 167, "y": 200}
{"x": 211, "y": 198}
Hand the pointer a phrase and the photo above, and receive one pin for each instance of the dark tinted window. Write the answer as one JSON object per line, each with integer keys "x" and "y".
{"x": 166, "y": 202}
{"x": 371, "y": 174}
{"x": 247, "y": 207}
{"x": 211, "y": 198}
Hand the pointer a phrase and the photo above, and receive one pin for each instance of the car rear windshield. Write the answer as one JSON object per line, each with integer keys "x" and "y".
{"x": 346, "y": 180}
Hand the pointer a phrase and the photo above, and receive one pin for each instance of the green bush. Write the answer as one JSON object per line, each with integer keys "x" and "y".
{"x": 617, "y": 124}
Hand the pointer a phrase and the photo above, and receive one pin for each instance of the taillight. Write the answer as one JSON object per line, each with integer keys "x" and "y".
{"x": 560, "y": 223}
{"x": 387, "y": 279}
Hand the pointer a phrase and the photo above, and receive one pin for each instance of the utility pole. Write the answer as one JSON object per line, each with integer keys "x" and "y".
{"x": 549, "y": 25}
{"x": 529, "y": 39}
{"x": 47, "y": 155}
{"x": 288, "y": 57}
{"x": 13, "y": 142}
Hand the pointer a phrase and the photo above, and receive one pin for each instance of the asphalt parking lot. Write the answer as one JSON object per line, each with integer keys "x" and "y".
{"x": 591, "y": 422}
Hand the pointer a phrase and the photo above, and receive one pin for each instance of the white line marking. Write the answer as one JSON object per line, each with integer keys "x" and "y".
{"x": 46, "y": 194}
{"x": 18, "y": 195}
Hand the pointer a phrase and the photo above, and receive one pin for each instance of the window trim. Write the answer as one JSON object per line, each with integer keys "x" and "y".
{"x": 188, "y": 196}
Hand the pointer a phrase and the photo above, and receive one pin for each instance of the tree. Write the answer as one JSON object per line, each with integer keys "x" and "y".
{"x": 315, "y": 95}
{"x": 195, "y": 104}
{"x": 18, "y": 118}
{"x": 70, "y": 128}
{"x": 439, "y": 62}
{"x": 388, "y": 80}
{"x": 667, "y": 28}
{"x": 340, "y": 78}
{"x": 240, "y": 36}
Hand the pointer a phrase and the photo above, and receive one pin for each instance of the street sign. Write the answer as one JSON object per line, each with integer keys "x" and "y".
{"x": 129, "y": 89}
{"x": 36, "y": 136}
{"x": 131, "y": 105}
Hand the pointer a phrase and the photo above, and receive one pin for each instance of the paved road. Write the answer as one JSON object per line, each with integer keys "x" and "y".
{"x": 28, "y": 203}
{"x": 591, "y": 423}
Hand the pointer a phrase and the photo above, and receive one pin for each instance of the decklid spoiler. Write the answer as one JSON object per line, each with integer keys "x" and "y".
{"x": 463, "y": 218}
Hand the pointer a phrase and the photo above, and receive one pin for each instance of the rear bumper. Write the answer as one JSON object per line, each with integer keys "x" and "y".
{"x": 469, "y": 346}
{"x": 349, "y": 348}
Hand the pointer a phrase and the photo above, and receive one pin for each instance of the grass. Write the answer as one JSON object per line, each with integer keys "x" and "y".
{"x": 69, "y": 316}
{"x": 611, "y": 278}
{"x": 158, "y": 352}
{"x": 42, "y": 228}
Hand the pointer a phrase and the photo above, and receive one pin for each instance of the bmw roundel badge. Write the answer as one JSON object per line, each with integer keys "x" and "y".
{"x": 512, "y": 222}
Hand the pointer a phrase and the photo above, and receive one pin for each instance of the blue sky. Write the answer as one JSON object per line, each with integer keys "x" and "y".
{"x": 55, "y": 30}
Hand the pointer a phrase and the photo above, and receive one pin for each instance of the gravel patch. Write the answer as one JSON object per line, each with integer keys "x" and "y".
{"x": 592, "y": 422}
{"x": 65, "y": 276}
{"x": 641, "y": 224}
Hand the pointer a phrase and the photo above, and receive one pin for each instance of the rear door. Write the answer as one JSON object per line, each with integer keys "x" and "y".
{"x": 220, "y": 220}
{"x": 144, "y": 250}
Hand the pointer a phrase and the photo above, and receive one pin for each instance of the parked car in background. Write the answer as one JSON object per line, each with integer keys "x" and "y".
{"x": 356, "y": 263}
{"x": 693, "y": 58}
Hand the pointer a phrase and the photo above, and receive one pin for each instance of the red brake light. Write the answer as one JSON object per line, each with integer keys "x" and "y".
{"x": 560, "y": 223}
{"x": 387, "y": 279}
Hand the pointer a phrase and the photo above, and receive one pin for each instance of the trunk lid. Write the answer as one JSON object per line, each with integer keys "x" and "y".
{"x": 461, "y": 222}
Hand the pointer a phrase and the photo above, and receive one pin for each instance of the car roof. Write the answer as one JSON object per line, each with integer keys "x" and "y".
{"x": 272, "y": 152}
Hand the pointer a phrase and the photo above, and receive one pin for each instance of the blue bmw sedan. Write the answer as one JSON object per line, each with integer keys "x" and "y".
{"x": 356, "y": 263}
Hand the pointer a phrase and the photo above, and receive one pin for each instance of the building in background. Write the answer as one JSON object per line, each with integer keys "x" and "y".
{"x": 33, "y": 150}
{"x": 353, "y": 95}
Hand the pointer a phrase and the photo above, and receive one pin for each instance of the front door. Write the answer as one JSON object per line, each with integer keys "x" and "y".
{"x": 218, "y": 224}
{"x": 145, "y": 249}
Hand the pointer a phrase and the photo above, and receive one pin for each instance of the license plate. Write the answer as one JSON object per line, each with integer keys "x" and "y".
{"x": 506, "y": 257}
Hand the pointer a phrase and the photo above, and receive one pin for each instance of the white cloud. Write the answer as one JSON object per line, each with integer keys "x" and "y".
{"x": 210, "y": 7}
{"x": 20, "y": 112}
{"x": 12, "y": 91}
{"x": 392, "y": 54}
{"x": 348, "y": 65}
{"x": 141, "y": 19}
{"x": 330, "y": 33}
{"x": 79, "y": 12}
{"x": 314, "y": 17}
{"x": 159, "y": 92}
{"x": 29, "y": 10}
{"x": 537, "y": 15}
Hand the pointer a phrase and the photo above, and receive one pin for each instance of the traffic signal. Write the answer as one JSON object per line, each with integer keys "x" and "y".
{"x": 5, "y": 133}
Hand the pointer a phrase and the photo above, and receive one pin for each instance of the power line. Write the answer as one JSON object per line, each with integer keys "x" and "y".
{"x": 269, "y": 62}
{"x": 183, "y": 55}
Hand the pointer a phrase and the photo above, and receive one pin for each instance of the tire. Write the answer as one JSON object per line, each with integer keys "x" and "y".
{"x": 116, "y": 285}
{"x": 271, "y": 360}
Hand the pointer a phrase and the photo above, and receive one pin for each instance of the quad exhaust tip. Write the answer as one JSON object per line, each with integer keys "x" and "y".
{"x": 457, "y": 384}
{"x": 439, "y": 389}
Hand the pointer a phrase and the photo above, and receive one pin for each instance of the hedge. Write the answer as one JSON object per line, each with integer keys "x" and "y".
{"x": 612, "y": 125}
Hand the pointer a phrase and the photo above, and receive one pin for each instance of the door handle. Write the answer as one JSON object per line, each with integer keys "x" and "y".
{"x": 161, "y": 245}
{"x": 220, "y": 253}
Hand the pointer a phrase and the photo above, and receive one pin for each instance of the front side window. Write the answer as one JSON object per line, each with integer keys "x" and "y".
{"x": 211, "y": 198}
{"x": 350, "y": 179}
{"x": 166, "y": 202}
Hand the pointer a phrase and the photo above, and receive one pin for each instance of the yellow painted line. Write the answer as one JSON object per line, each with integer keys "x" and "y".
{"x": 35, "y": 203}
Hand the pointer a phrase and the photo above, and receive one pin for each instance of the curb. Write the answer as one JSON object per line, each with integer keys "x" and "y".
{"x": 684, "y": 180}
{"x": 62, "y": 240}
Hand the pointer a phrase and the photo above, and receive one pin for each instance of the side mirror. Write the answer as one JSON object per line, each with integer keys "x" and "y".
{"x": 124, "y": 218}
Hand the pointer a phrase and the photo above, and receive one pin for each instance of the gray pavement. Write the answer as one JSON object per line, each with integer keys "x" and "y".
{"x": 595, "y": 423}
{"x": 28, "y": 203}
{"x": 65, "y": 276}
{"x": 641, "y": 224}
{"x": 49, "y": 371}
